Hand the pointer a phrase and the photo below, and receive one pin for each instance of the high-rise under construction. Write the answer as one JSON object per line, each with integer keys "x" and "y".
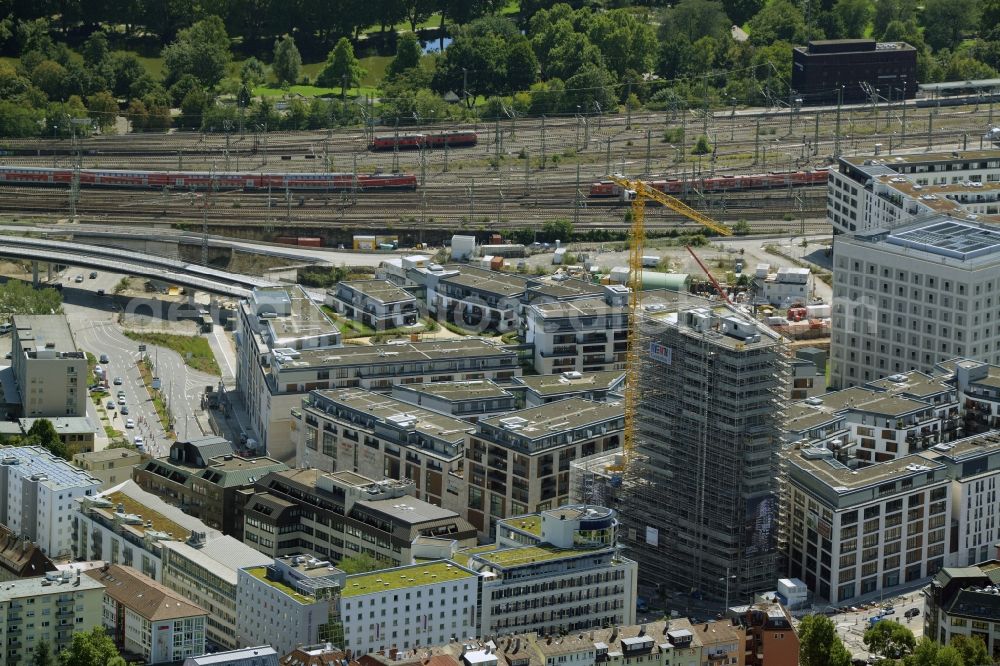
{"x": 699, "y": 492}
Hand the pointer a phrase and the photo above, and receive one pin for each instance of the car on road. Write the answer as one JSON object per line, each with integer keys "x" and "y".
{"x": 104, "y": 358}
{"x": 139, "y": 441}
{"x": 78, "y": 279}
{"x": 913, "y": 612}
{"x": 118, "y": 381}
{"x": 93, "y": 275}
{"x": 889, "y": 610}
{"x": 129, "y": 423}
{"x": 100, "y": 292}
{"x": 8, "y": 355}
{"x": 124, "y": 409}
{"x": 111, "y": 404}
{"x": 121, "y": 400}
{"x": 120, "y": 394}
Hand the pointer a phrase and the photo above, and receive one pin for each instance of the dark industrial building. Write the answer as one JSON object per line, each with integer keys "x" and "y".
{"x": 820, "y": 68}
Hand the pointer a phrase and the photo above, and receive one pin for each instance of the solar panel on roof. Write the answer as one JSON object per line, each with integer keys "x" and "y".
{"x": 952, "y": 239}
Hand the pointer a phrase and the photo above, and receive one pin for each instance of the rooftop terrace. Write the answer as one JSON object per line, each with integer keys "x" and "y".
{"x": 403, "y": 577}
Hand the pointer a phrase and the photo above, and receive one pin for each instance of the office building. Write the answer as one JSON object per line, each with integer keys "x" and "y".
{"x": 38, "y": 493}
{"x": 110, "y": 466}
{"x": 49, "y": 370}
{"x": 854, "y": 67}
{"x": 519, "y": 462}
{"x": 130, "y": 526}
{"x": 406, "y": 607}
{"x": 288, "y": 603}
{"x": 20, "y": 558}
{"x": 378, "y": 436}
{"x": 259, "y": 655}
{"x": 871, "y": 194}
{"x": 272, "y": 319}
{"x": 573, "y": 549}
{"x": 701, "y": 488}
{"x": 913, "y": 297}
{"x": 341, "y": 514}
{"x": 583, "y": 335}
{"x": 145, "y": 618}
{"x": 848, "y": 531}
{"x": 48, "y": 608}
{"x": 605, "y": 386}
{"x": 204, "y": 479}
{"x": 470, "y": 400}
{"x": 378, "y": 304}
{"x": 964, "y": 601}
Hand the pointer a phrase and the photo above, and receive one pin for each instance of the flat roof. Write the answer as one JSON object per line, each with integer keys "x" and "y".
{"x": 921, "y": 158}
{"x": 408, "y": 352}
{"x": 951, "y": 238}
{"x": 108, "y": 455}
{"x": 842, "y": 479}
{"x": 35, "y": 461}
{"x": 378, "y": 290}
{"x": 38, "y": 331}
{"x": 554, "y": 417}
{"x": 305, "y": 318}
{"x": 494, "y": 282}
{"x": 399, "y": 413}
{"x": 531, "y": 523}
{"x": 408, "y": 509}
{"x": 220, "y": 556}
{"x": 549, "y": 385}
{"x": 565, "y": 288}
{"x": 260, "y": 573}
{"x": 581, "y": 307}
{"x": 21, "y": 588}
{"x": 431, "y": 573}
{"x": 470, "y": 389}
{"x": 506, "y": 558}
{"x": 891, "y": 406}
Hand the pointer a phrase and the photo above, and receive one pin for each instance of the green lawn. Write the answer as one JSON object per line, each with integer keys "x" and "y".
{"x": 195, "y": 345}
{"x": 375, "y": 67}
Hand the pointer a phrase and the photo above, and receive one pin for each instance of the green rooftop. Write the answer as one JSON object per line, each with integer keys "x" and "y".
{"x": 513, "y": 557}
{"x": 260, "y": 573}
{"x": 463, "y": 556}
{"x": 160, "y": 522}
{"x": 531, "y": 523}
{"x": 403, "y": 577}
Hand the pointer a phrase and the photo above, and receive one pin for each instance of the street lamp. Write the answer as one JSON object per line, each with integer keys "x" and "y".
{"x": 727, "y": 578}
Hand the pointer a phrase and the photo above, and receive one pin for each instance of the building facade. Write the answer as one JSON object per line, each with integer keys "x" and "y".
{"x": 38, "y": 493}
{"x": 855, "y": 68}
{"x": 582, "y": 335}
{"x": 110, "y": 466}
{"x": 470, "y": 400}
{"x": 378, "y": 304}
{"x": 49, "y": 370}
{"x": 964, "y": 602}
{"x": 145, "y": 618}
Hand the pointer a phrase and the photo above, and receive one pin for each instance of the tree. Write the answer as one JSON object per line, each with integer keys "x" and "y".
{"x": 778, "y": 20}
{"x": 43, "y": 433}
{"x": 341, "y": 66}
{"x": 417, "y": 11}
{"x": 889, "y": 639}
{"x": 887, "y": 11}
{"x": 408, "y": 53}
{"x": 741, "y": 228}
{"x": 252, "y": 72}
{"x": 694, "y": 19}
{"x": 121, "y": 71}
{"x": 193, "y": 106}
{"x": 89, "y": 648}
{"x": 560, "y": 229}
{"x": 819, "y": 644}
{"x": 591, "y": 85}
{"x": 95, "y": 49}
{"x": 547, "y": 97}
{"x": 972, "y": 649}
{"x": 42, "y": 655}
{"x": 361, "y": 563}
{"x": 50, "y": 77}
{"x": 521, "y": 66}
{"x": 201, "y": 50}
{"x": 103, "y": 108}
{"x": 287, "y": 60}
{"x": 701, "y": 146}
{"x": 945, "y": 21}
{"x": 854, "y": 16}
{"x": 740, "y": 11}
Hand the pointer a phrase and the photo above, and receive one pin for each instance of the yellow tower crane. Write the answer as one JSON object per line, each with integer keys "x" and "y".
{"x": 640, "y": 192}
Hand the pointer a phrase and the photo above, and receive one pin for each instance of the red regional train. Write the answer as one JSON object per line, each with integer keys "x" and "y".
{"x": 200, "y": 180}
{"x": 456, "y": 139}
{"x": 762, "y": 181}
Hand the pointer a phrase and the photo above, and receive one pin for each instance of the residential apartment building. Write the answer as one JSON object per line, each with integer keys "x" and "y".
{"x": 49, "y": 370}
{"x": 770, "y": 637}
{"x": 38, "y": 493}
{"x": 145, "y": 618}
{"x": 470, "y": 400}
{"x": 288, "y": 603}
{"x": 881, "y": 420}
{"x": 20, "y": 558}
{"x": 207, "y": 488}
{"x": 378, "y": 436}
{"x": 869, "y": 195}
{"x": 913, "y": 297}
{"x": 48, "y": 608}
{"x": 537, "y": 390}
{"x": 480, "y": 299}
{"x": 583, "y": 335}
{"x": 978, "y": 386}
{"x": 701, "y": 499}
{"x": 110, "y": 466}
{"x": 378, "y": 304}
{"x": 406, "y": 607}
{"x": 341, "y": 514}
{"x": 964, "y": 601}
{"x": 272, "y": 319}
{"x": 130, "y": 526}
{"x": 554, "y": 572}
{"x": 76, "y": 432}
{"x": 850, "y": 531}
{"x": 520, "y": 462}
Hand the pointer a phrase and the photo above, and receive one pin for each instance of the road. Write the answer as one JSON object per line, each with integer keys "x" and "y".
{"x": 93, "y": 320}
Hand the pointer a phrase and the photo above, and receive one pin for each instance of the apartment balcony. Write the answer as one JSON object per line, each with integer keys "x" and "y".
{"x": 591, "y": 338}
{"x": 560, "y": 350}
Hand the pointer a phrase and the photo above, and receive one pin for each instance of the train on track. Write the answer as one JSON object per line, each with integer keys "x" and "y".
{"x": 739, "y": 183}
{"x": 456, "y": 139}
{"x": 200, "y": 180}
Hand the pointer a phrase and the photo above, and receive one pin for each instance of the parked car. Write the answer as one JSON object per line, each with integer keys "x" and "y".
{"x": 120, "y": 394}
{"x": 913, "y": 612}
{"x": 124, "y": 409}
{"x": 100, "y": 292}
{"x": 121, "y": 400}
{"x": 129, "y": 423}
{"x": 111, "y": 404}
{"x": 104, "y": 358}
{"x": 139, "y": 441}
{"x": 889, "y": 610}
{"x": 93, "y": 275}
{"x": 78, "y": 279}
{"x": 118, "y": 381}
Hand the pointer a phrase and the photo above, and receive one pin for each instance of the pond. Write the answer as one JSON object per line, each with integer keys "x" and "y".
{"x": 434, "y": 45}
